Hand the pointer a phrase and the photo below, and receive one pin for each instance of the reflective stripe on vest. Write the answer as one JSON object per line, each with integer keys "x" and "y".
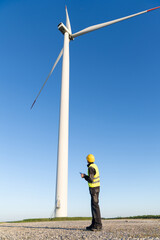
{"x": 96, "y": 179}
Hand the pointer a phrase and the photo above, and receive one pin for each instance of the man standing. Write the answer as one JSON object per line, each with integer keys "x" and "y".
{"x": 93, "y": 180}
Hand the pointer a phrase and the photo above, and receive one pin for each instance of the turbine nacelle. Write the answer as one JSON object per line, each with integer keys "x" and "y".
{"x": 63, "y": 29}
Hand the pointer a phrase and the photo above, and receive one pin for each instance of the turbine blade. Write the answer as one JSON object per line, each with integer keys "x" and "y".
{"x": 152, "y": 9}
{"x": 59, "y": 56}
{"x": 68, "y": 24}
{"x": 98, "y": 26}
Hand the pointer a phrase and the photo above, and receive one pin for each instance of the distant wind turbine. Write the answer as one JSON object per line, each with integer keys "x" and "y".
{"x": 62, "y": 158}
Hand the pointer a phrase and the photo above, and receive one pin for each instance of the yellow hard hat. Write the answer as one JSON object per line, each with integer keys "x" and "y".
{"x": 90, "y": 158}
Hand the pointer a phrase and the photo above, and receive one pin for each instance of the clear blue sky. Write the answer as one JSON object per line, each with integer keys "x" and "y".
{"x": 114, "y": 107}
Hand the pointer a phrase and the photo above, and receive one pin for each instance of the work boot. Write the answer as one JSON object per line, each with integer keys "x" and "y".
{"x": 94, "y": 228}
{"x": 89, "y": 227}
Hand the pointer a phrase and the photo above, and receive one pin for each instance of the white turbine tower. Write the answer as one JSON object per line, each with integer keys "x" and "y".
{"x": 62, "y": 159}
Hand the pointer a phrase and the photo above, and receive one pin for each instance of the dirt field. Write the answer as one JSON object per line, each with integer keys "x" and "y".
{"x": 112, "y": 229}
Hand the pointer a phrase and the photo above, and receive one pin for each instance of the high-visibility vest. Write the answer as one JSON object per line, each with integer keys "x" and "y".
{"x": 96, "y": 179}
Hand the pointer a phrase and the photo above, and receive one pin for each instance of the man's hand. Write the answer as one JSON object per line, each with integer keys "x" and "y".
{"x": 82, "y": 175}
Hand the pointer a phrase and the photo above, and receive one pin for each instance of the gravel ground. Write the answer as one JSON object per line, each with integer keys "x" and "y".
{"x": 112, "y": 229}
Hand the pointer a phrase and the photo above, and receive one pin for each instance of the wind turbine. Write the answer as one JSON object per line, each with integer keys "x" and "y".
{"x": 62, "y": 158}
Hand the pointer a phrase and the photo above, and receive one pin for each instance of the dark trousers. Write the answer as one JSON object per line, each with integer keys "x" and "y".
{"x": 96, "y": 215}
